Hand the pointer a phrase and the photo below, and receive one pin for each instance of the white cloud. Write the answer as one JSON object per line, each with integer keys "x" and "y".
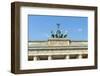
{"x": 80, "y": 30}
{"x": 46, "y": 35}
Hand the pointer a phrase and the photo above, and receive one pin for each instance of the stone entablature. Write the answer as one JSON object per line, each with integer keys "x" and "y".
{"x": 64, "y": 42}
{"x": 58, "y": 42}
{"x": 57, "y": 52}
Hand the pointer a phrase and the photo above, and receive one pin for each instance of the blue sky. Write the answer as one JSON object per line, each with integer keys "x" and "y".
{"x": 40, "y": 26}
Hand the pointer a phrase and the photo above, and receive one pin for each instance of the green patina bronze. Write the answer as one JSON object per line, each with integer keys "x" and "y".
{"x": 58, "y": 33}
